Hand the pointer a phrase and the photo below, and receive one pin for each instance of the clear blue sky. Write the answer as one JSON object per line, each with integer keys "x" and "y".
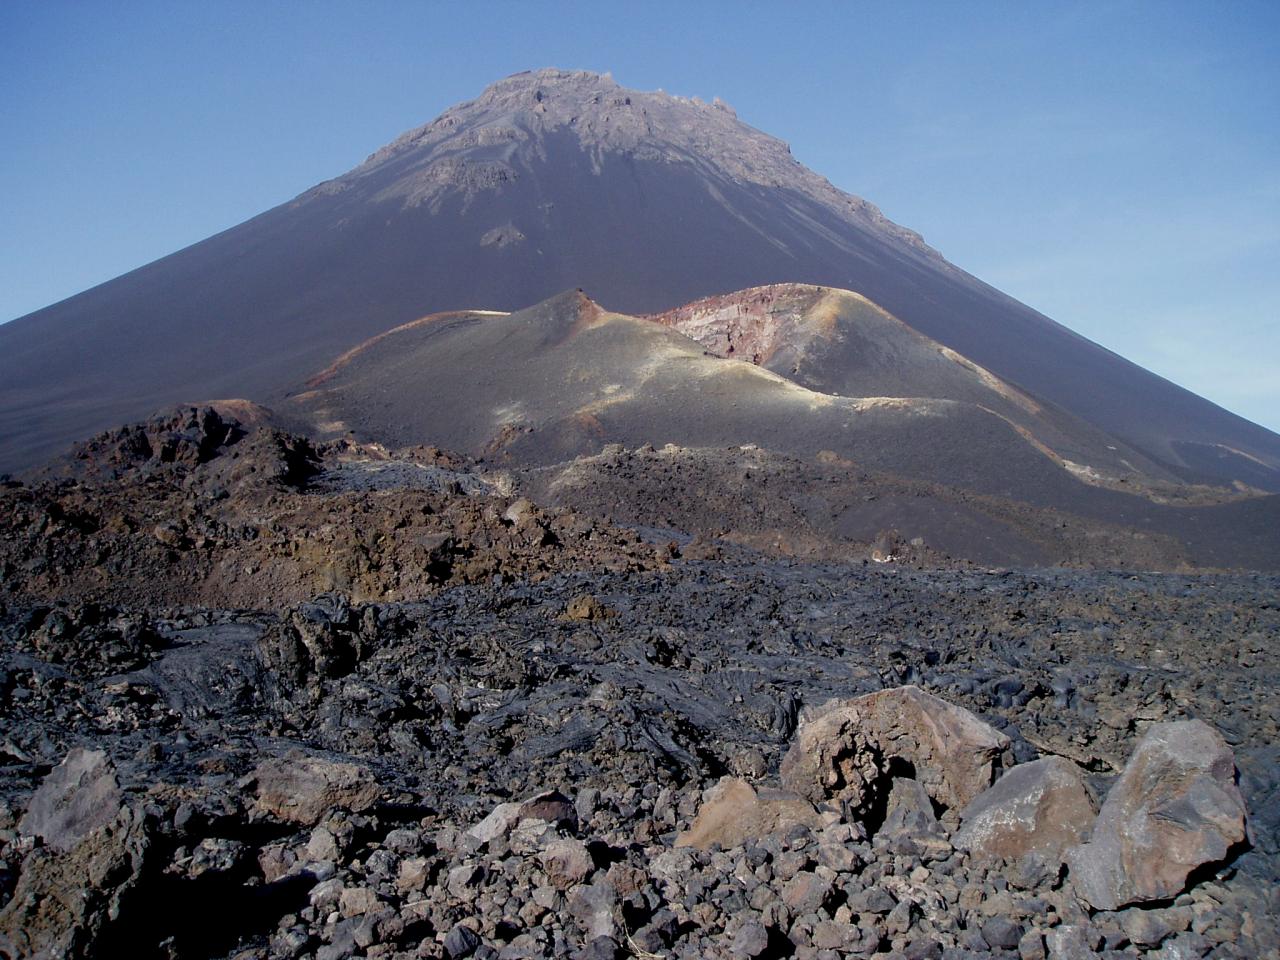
{"x": 1115, "y": 165}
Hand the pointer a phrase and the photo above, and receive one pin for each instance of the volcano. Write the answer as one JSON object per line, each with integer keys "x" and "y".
{"x": 553, "y": 180}
{"x": 784, "y": 592}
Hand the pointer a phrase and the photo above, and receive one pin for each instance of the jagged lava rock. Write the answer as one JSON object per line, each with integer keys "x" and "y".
{"x": 553, "y": 807}
{"x": 71, "y": 889}
{"x": 1038, "y": 807}
{"x": 587, "y": 607}
{"x": 735, "y": 812}
{"x": 80, "y": 795}
{"x": 1175, "y": 807}
{"x": 1072, "y": 941}
{"x": 302, "y": 789}
{"x": 500, "y": 821}
{"x": 847, "y": 752}
{"x": 566, "y": 863}
{"x": 910, "y": 815}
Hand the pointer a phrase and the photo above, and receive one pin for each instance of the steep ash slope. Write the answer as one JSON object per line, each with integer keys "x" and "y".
{"x": 560, "y": 379}
{"x": 551, "y": 180}
{"x": 838, "y": 342}
{"x": 557, "y": 382}
{"x": 829, "y": 508}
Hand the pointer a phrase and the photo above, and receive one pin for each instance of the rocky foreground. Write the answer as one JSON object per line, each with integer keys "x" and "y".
{"x": 539, "y": 770}
{"x": 558, "y": 738}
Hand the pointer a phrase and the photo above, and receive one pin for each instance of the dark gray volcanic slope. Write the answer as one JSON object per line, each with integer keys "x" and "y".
{"x": 551, "y": 180}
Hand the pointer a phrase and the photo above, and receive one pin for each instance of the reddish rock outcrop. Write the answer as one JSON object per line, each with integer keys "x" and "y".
{"x": 735, "y": 812}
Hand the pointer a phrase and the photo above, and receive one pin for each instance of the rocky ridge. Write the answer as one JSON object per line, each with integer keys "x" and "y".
{"x": 195, "y": 507}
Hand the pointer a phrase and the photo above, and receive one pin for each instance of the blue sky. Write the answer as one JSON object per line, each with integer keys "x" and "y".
{"x": 1114, "y": 165}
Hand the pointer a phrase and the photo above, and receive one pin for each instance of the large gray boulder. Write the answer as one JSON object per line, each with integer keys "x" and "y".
{"x": 78, "y": 796}
{"x": 849, "y": 751}
{"x": 1174, "y": 808}
{"x": 1039, "y": 807}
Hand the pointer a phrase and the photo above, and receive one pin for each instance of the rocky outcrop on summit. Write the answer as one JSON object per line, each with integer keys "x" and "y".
{"x": 513, "y": 117}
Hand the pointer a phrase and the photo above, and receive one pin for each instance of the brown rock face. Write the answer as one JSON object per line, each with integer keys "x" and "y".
{"x": 301, "y": 789}
{"x": 551, "y": 806}
{"x": 736, "y": 812}
{"x": 1175, "y": 807}
{"x": 850, "y": 751}
{"x": 1039, "y": 807}
{"x": 588, "y": 608}
{"x": 753, "y": 325}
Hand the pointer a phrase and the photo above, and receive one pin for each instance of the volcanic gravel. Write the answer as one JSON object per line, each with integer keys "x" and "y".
{"x": 629, "y": 694}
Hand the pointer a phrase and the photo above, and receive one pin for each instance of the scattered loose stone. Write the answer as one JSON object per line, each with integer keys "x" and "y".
{"x": 1075, "y": 941}
{"x": 751, "y": 940}
{"x": 484, "y": 694}
{"x": 1146, "y": 928}
{"x": 500, "y": 822}
{"x": 461, "y": 941}
{"x": 552, "y": 807}
{"x": 566, "y": 862}
{"x": 1001, "y": 932}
